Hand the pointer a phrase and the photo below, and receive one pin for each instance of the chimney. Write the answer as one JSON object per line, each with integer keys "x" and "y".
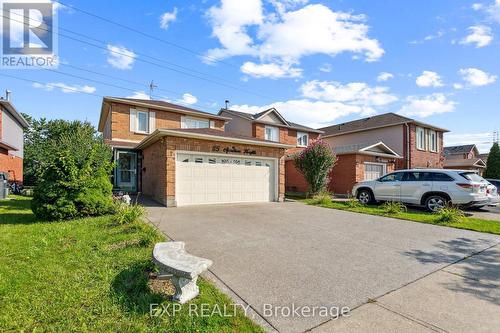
{"x": 7, "y": 95}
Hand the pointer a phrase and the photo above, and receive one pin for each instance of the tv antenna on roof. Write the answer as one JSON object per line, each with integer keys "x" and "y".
{"x": 152, "y": 86}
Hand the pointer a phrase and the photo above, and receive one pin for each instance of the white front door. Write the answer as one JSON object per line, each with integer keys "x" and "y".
{"x": 213, "y": 179}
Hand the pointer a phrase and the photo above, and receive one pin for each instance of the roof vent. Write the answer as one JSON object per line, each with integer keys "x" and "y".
{"x": 7, "y": 95}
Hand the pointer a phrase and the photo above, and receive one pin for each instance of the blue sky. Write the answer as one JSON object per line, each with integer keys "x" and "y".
{"x": 317, "y": 62}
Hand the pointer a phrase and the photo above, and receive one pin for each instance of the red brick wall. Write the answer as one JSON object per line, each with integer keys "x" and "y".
{"x": 120, "y": 122}
{"x": 10, "y": 162}
{"x": 154, "y": 171}
{"x": 1, "y": 113}
{"x": 349, "y": 170}
{"x": 160, "y": 157}
{"x": 425, "y": 158}
{"x": 421, "y": 158}
{"x": 294, "y": 180}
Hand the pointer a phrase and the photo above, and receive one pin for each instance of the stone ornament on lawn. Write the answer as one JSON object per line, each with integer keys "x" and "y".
{"x": 184, "y": 268}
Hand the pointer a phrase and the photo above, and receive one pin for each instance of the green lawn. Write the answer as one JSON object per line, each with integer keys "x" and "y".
{"x": 89, "y": 275}
{"x": 468, "y": 223}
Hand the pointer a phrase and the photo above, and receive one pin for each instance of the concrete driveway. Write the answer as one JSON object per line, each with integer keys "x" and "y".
{"x": 289, "y": 254}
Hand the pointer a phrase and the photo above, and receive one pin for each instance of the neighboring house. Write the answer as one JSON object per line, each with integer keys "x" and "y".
{"x": 182, "y": 156}
{"x": 371, "y": 147}
{"x": 12, "y": 126}
{"x": 271, "y": 125}
{"x": 465, "y": 157}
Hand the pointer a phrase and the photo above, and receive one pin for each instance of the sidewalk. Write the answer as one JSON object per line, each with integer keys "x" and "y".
{"x": 463, "y": 297}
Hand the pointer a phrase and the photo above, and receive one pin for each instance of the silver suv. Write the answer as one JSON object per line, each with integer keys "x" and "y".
{"x": 433, "y": 189}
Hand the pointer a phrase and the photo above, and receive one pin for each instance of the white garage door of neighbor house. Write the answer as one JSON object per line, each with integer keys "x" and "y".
{"x": 207, "y": 179}
{"x": 374, "y": 171}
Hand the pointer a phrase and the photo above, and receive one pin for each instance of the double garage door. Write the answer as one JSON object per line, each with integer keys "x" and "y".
{"x": 213, "y": 179}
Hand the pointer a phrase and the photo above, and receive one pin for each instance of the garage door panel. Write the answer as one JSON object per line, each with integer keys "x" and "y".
{"x": 231, "y": 179}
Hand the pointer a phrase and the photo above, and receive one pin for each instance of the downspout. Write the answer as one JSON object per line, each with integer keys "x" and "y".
{"x": 408, "y": 150}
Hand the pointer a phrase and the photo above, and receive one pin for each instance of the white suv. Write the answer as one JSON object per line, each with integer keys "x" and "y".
{"x": 433, "y": 189}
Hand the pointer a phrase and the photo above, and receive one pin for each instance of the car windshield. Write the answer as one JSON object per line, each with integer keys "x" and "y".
{"x": 472, "y": 176}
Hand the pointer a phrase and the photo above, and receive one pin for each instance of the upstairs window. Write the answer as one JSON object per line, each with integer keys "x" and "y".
{"x": 302, "y": 139}
{"x": 272, "y": 134}
{"x": 433, "y": 144}
{"x": 420, "y": 137}
{"x": 142, "y": 121}
{"x": 189, "y": 122}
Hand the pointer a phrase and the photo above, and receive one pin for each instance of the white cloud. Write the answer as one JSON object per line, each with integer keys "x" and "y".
{"x": 65, "y": 88}
{"x": 458, "y": 86}
{"x": 427, "y": 105}
{"x": 139, "y": 95}
{"x": 429, "y": 79}
{"x": 355, "y": 93}
{"x": 288, "y": 35}
{"x": 120, "y": 57}
{"x": 384, "y": 76}
{"x": 270, "y": 70}
{"x": 477, "y": 6}
{"x": 479, "y": 35}
{"x": 326, "y": 68}
{"x": 167, "y": 18}
{"x": 187, "y": 98}
{"x": 494, "y": 11}
{"x": 481, "y": 140}
{"x": 476, "y": 77}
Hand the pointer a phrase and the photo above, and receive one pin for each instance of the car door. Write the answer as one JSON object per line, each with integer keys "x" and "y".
{"x": 414, "y": 185}
{"x": 387, "y": 188}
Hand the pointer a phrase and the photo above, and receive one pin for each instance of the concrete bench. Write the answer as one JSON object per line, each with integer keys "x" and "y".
{"x": 183, "y": 268}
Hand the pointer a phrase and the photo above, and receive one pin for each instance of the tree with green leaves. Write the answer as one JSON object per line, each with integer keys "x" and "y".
{"x": 493, "y": 164}
{"x": 315, "y": 163}
{"x": 70, "y": 167}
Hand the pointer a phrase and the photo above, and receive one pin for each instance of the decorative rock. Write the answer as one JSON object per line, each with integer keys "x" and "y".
{"x": 126, "y": 199}
{"x": 172, "y": 259}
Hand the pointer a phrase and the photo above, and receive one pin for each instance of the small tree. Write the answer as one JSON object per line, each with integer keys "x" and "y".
{"x": 493, "y": 164}
{"x": 74, "y": 181}
{"x": 315, "y": 163}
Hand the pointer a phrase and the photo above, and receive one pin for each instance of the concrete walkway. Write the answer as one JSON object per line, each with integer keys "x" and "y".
{"x": 290, "y": 254}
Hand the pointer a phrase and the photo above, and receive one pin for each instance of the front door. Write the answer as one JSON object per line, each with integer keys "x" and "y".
{"x": 126, "y": 171}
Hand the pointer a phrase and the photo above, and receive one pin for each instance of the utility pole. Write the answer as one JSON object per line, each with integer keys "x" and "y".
{"x": 152, "y": 86}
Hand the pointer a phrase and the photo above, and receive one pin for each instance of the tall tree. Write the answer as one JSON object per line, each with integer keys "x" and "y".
{"x": 493, "y": 164}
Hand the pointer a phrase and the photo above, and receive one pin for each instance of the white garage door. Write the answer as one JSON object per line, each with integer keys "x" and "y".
{"x": 206, "y": 179}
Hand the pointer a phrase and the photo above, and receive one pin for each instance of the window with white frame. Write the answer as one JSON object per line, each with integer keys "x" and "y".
{"x": 302, "y": 139}
{"x": 420, "y": 138}
{"x": 272, "y": 134}
{"x": 189, "y": 122}
{"x": 140, "y": 121}
{"x": 433, "y": 141}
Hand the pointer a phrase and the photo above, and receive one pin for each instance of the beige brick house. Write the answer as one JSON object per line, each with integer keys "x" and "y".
{"x": 181, "y": 156}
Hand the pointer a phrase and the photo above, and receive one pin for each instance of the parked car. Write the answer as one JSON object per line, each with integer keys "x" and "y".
{"x": 432, "y": 188}
{"x": 492, "y": 191}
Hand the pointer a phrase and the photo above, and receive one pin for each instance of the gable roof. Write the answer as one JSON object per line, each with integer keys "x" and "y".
{"x": 154, "y": 104}
{"x": 374, "y": 148}
{"x": 379, "y": 121}
{"x": 471, "y": 162}
{"x": 463, "y": 149}
{"x": 9, "y": 107}
{"x": 258, "y": 116}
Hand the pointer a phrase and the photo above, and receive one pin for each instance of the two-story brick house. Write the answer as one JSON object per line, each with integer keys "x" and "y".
{"x": 182, "y": 156}
{"x": 370, "y": 147}
{"x": 464, "y": 157}
{"x": 12, "y": 126}
{"x": 271, "y": 125}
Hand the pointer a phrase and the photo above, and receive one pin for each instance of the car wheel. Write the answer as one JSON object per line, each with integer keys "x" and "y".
{"x": 365, "y": 197}
{"x": 435, "y": 203}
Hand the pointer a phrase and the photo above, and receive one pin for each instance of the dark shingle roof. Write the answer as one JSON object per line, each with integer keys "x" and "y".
{"x": 166, "y": 105}
{"x": 383, "y": 120}
{"x": 463, "y": 149}
{"x": 214, "y": 132}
